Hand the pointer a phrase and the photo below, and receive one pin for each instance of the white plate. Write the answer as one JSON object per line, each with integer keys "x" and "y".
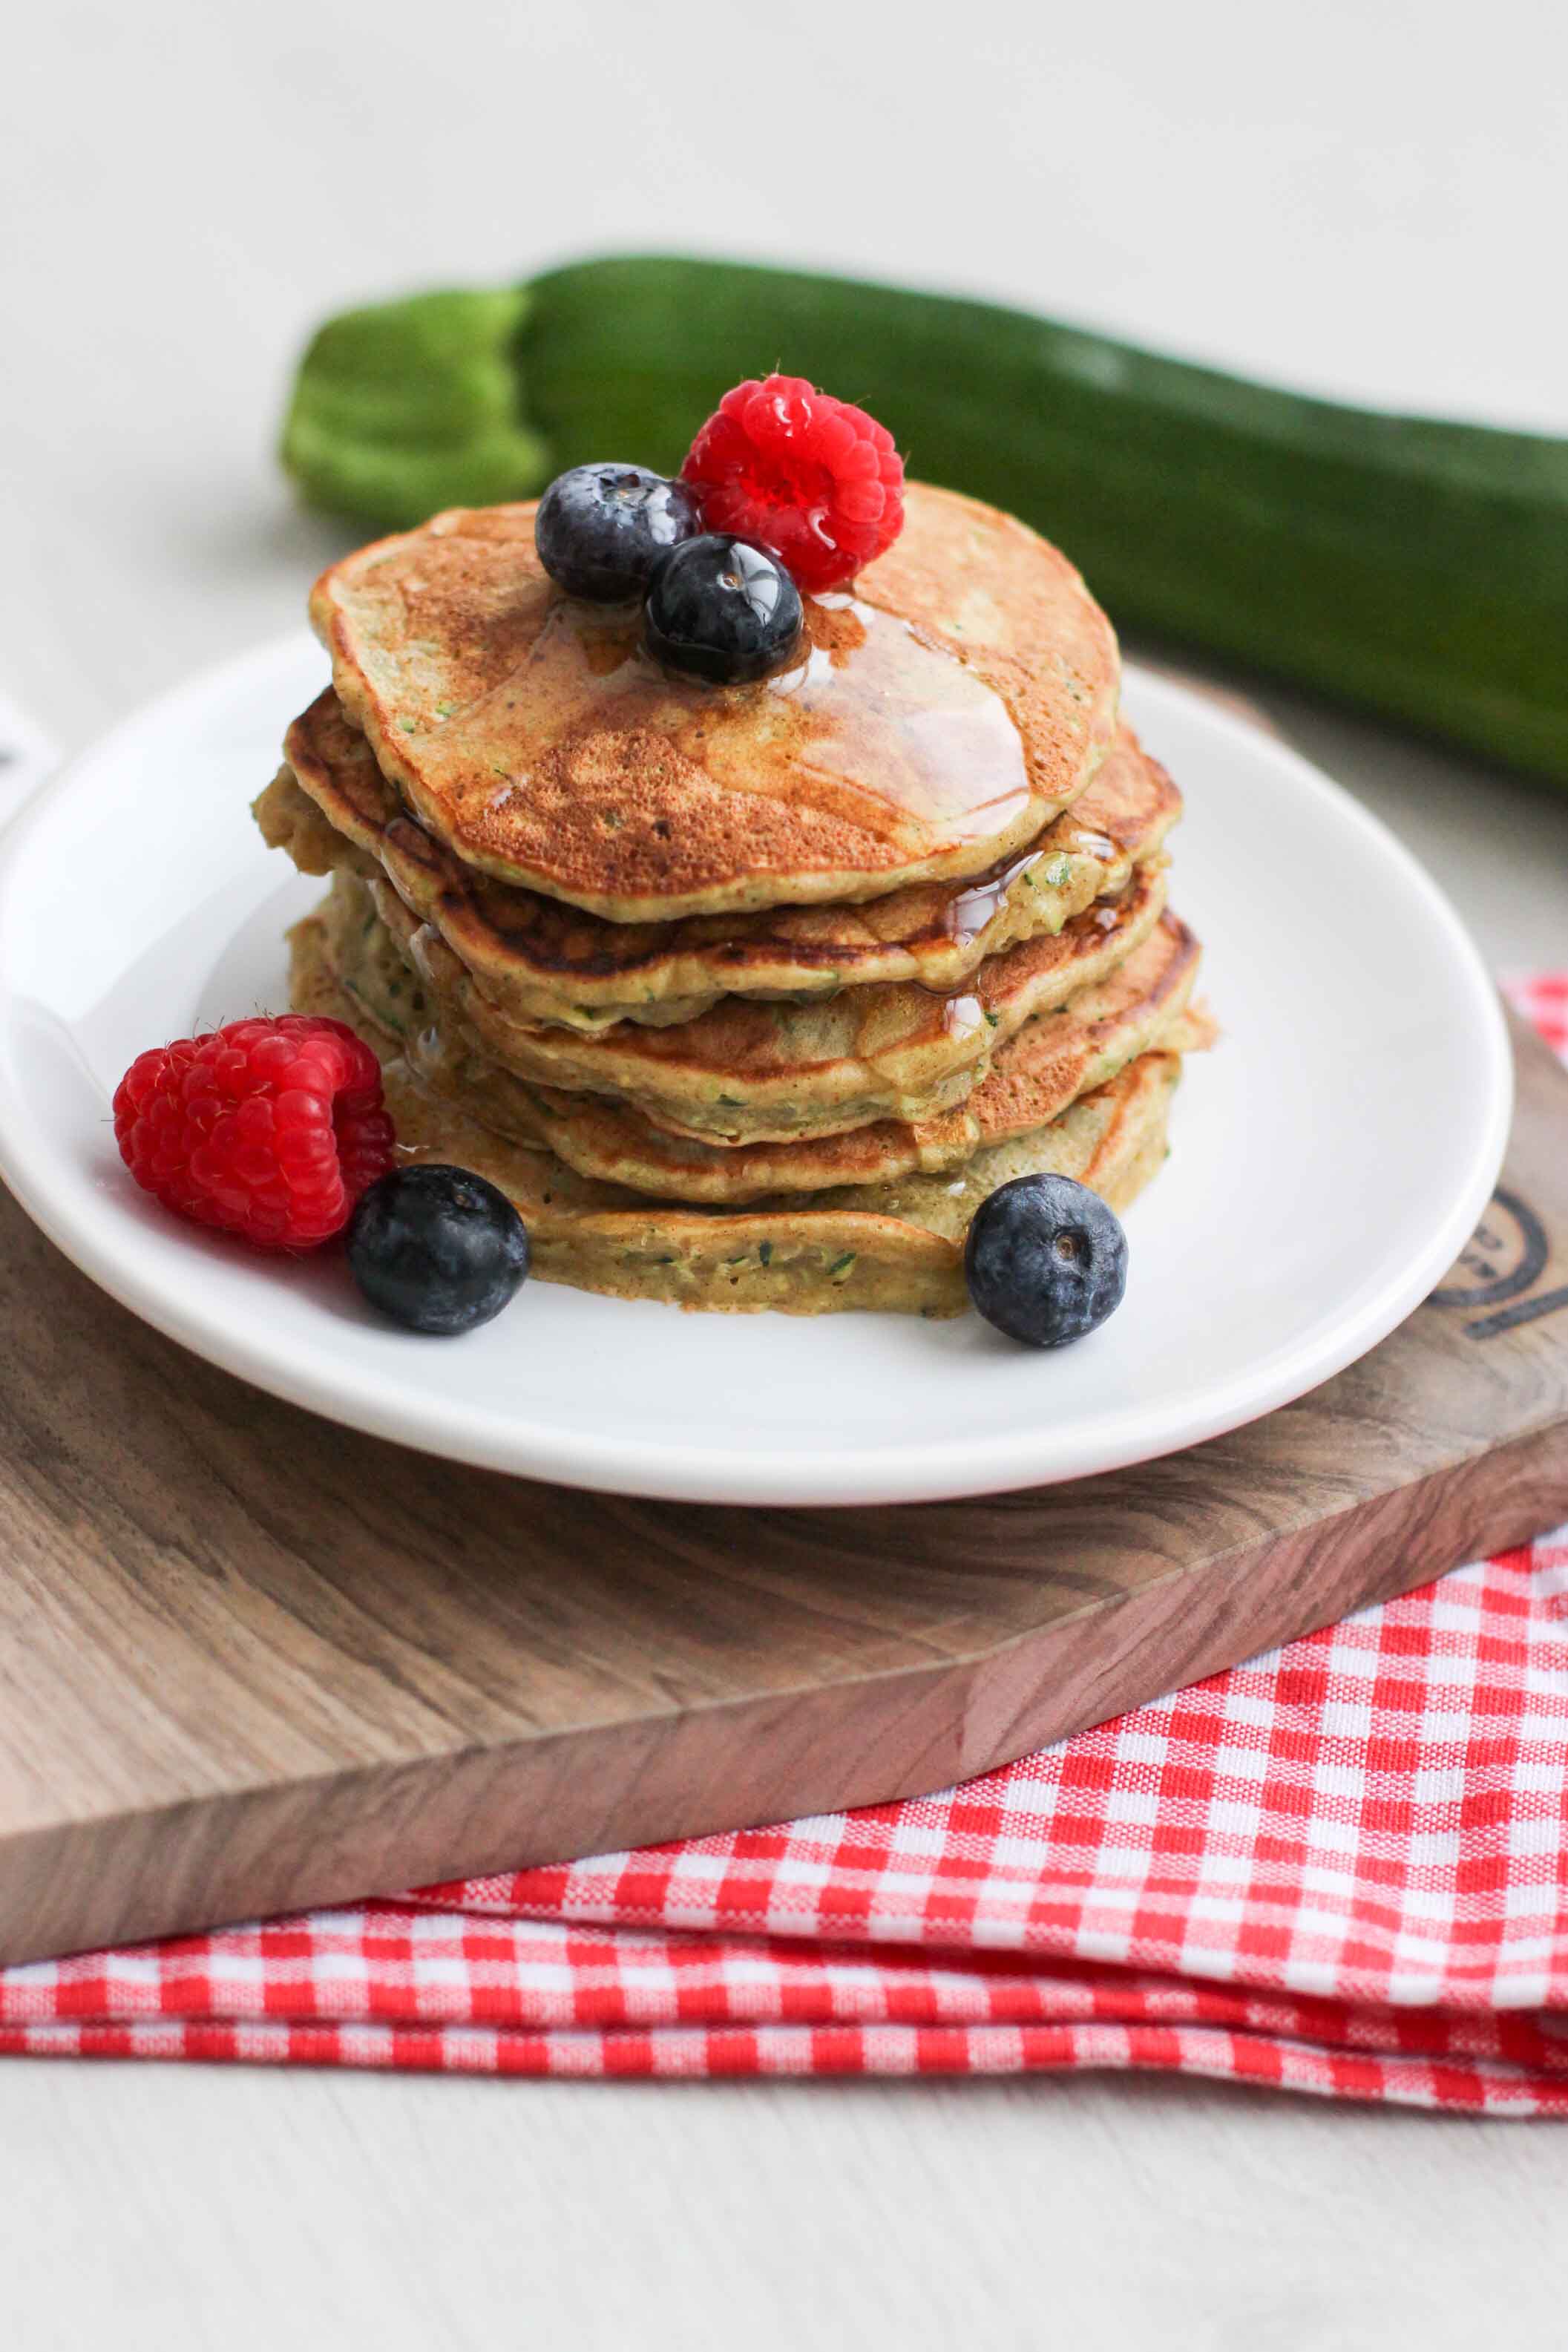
{"x": 1330, "y": 1158}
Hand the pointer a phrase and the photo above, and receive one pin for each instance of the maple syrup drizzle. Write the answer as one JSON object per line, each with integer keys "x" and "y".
{"x": 875, "y": 725}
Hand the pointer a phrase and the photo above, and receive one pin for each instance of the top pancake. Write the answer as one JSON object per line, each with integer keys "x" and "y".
{"x": 543, "y": 961}
{"x": 938, "y": 719}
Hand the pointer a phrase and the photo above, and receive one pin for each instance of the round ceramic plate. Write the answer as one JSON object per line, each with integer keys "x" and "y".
{"x": 1330, "y": 1157}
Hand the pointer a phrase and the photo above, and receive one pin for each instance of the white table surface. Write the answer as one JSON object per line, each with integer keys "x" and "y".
{"x": 1361, "y": 199}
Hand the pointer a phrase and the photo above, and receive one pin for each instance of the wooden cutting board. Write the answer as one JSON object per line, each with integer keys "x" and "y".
{"x": 249, "y": 1660}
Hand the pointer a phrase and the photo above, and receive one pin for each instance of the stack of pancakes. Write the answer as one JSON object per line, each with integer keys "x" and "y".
{"x": 746, "y": 997}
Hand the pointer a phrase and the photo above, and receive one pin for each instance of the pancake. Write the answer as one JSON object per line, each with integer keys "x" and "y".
{"x": 939, "y": 718}
{"x": 895, "y": 1247}
{"x": 747, "y": 1072}
{"x": 1054, "y": 1065}
{"x": 543, "y": 961}
{"x": 1143, "y": 1006}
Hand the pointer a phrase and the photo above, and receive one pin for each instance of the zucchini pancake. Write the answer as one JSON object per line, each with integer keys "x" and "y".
{"x": 746, "y": 954}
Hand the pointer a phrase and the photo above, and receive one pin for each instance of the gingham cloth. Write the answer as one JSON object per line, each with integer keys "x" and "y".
{"x": 1342, "y": 1867}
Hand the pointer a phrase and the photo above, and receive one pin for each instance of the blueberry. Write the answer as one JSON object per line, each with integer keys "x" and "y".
{"x": 721, "y": 609}
{"x": 437, "y": 1248}
{"x": 1046, "y": 1260}
{"x": 600, "y": 530}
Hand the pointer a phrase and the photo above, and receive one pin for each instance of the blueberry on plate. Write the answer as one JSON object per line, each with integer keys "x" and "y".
{"x": 1046, "y": 1260}
{"x": 600, "y": 530}
{"x": 437, "y": 1248}
{"x": 721, "y": 609}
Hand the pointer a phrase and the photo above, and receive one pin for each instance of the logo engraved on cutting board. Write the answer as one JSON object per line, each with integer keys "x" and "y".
{"x": 1503, "y": 1260}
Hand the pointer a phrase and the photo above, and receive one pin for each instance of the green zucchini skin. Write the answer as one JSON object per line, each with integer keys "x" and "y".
{"x": 1416, "y": 568}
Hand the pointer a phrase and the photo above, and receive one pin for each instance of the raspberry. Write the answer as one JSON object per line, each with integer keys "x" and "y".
{"x": 270, "y": 1128}
{"x": 816, "y": 482}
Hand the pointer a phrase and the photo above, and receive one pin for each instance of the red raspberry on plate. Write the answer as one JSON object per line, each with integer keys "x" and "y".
{"x": 815, "y": 481}
{"x": 270, "y": 1128}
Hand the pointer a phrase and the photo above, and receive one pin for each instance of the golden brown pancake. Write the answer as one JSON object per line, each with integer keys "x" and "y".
{"x": 1034, "y": 1080}
{"x": 939, "y": 718}
{"x": 896, "y": 1247}
{"x": 747, "y": 1072}
{"x": 1143, "y": 1006}
{"x": 540, "y": 960}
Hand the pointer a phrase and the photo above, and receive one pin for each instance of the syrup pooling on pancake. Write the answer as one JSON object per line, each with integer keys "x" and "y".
{"x": 540, "y": 960}
{"x": 872, "y": 728}
{"x": 939, "y": 721}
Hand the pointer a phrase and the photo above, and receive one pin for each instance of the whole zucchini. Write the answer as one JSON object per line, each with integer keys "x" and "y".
{"x": 1414, "y": 567}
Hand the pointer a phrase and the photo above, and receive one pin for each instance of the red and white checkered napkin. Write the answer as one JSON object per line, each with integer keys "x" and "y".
{"x": 1341, "y": 1868}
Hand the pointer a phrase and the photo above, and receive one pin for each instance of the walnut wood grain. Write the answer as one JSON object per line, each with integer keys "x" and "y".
{"x": 249, "y": 1660}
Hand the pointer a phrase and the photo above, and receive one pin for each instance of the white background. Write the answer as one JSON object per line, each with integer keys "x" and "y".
{"x": 1361, "y": 197}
